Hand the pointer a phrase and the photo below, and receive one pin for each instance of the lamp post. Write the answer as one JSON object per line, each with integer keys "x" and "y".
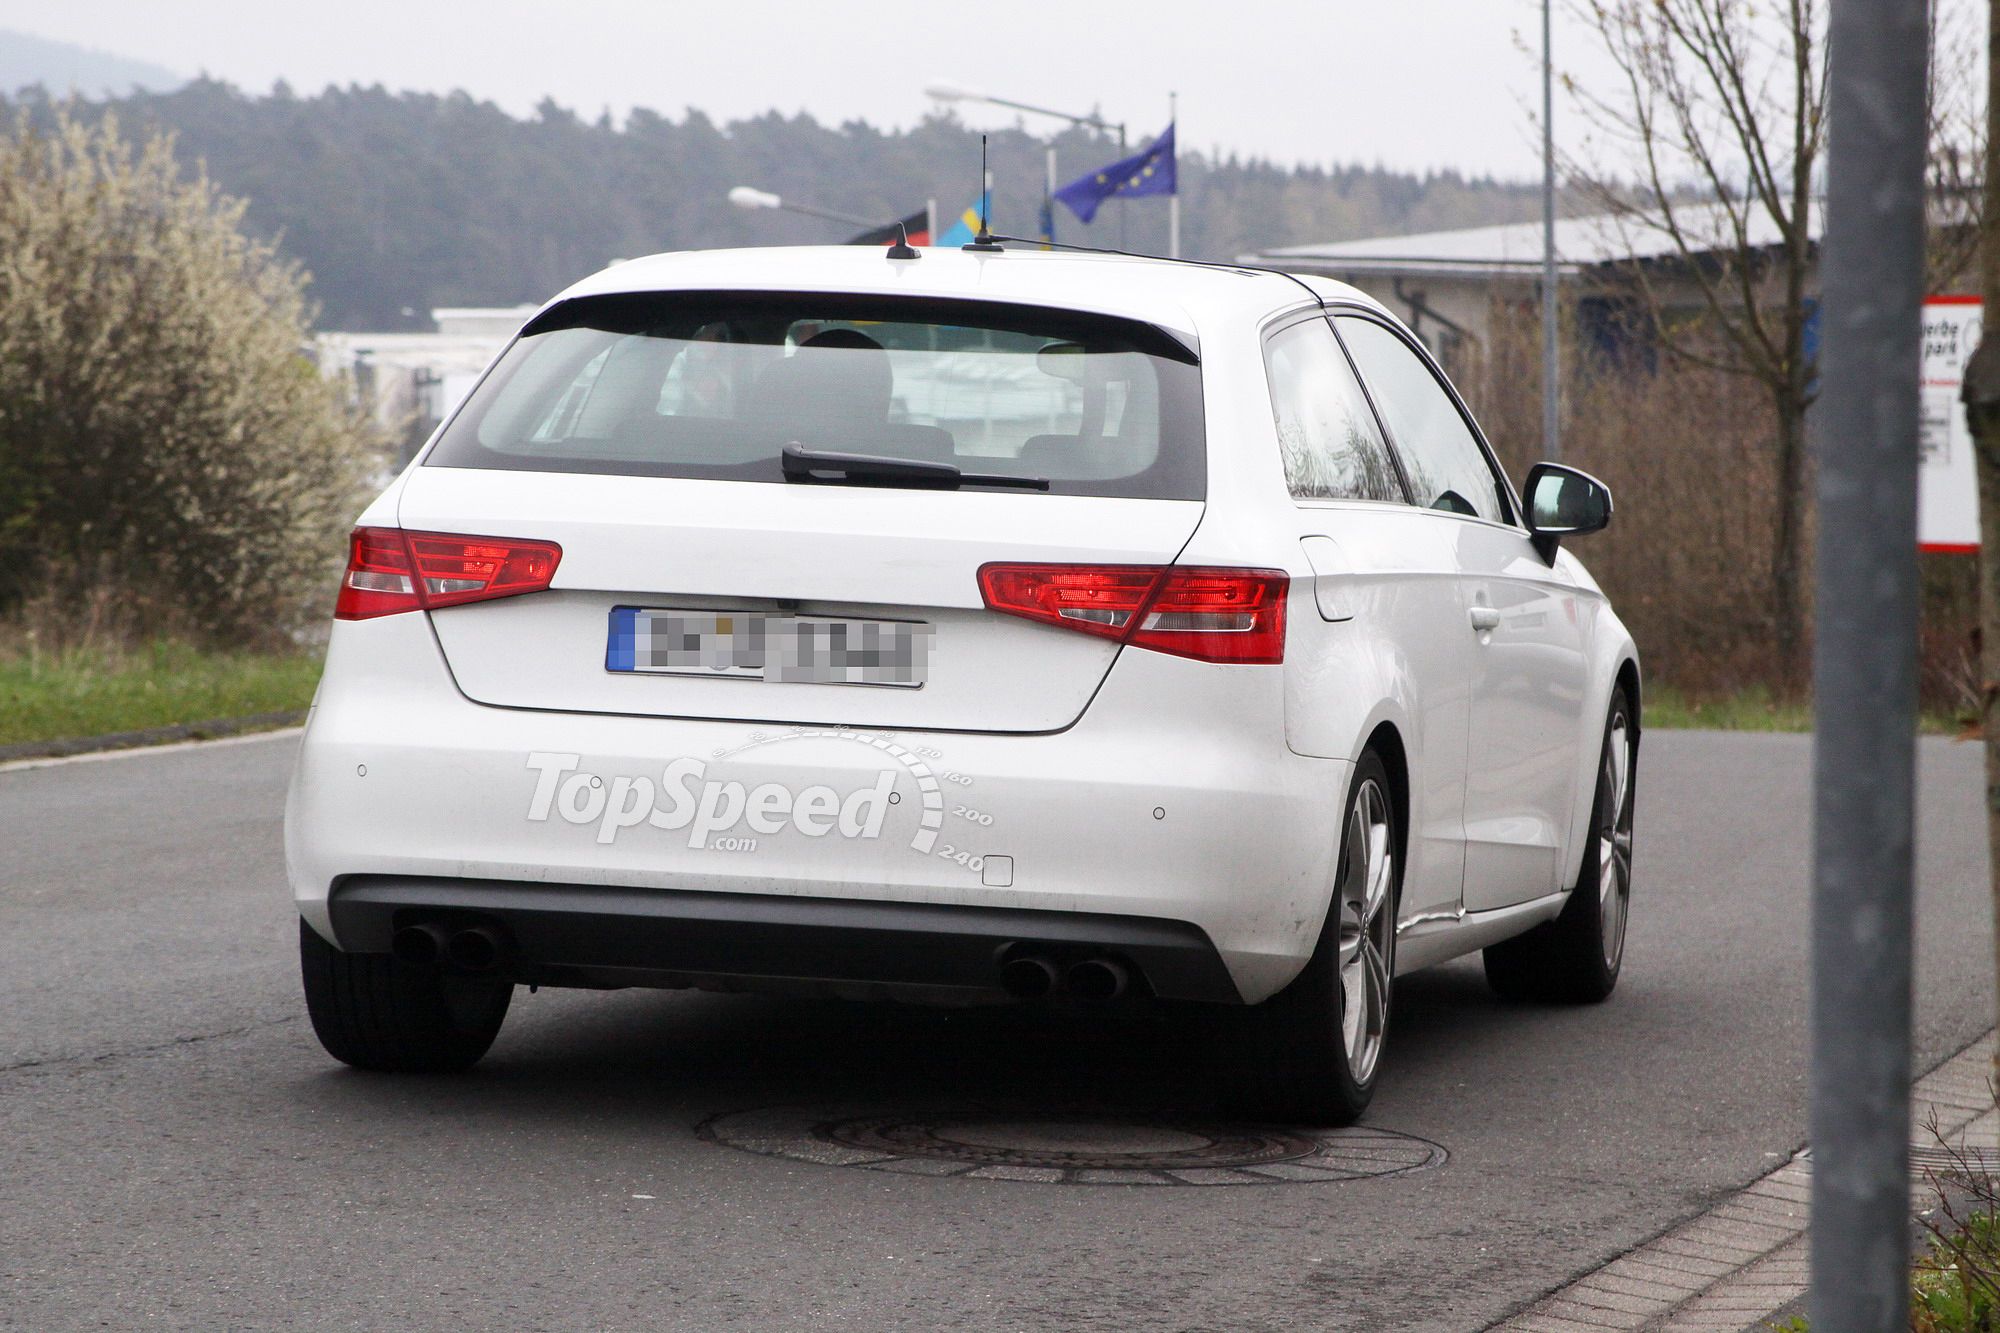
{"x": 952, "y": 92}
{"x": 745, "y": 196}
{"x": 1551, "y": 369}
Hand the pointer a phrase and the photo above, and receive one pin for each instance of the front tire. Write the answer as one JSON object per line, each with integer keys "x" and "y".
{"x": 1576, "y": 958}
{"x": 1310, "y": 1053}
{"x": 375, "y": 1011}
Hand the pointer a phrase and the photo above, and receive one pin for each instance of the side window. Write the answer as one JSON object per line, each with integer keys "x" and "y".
{"x": 1332, "y": 448}
{"x": 1447, "y": 468}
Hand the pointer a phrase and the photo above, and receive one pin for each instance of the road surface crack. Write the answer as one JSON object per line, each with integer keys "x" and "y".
{"x": 105, "y": 1057}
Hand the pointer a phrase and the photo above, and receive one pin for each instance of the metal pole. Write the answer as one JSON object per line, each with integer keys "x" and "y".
{"x": 1865, "y": 668}
{"x": 930, "y": 221}
{"x": 1049, "y": 195}
{"x": 1121, "y": 198}
{"x": 850, "y": 219}
{"x": 1174, "y": 199}
{"x": 1551, "y": 355}
{"x": 1094, "y": 122}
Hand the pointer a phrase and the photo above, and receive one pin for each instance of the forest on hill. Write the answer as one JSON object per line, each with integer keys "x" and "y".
{"x": 396, "y": 203}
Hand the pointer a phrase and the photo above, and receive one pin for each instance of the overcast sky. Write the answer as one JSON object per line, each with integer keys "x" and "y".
{"x": 1414, "y": 83}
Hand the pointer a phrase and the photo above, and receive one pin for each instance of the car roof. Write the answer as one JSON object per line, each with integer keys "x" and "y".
{"x": 1178, "y": 296}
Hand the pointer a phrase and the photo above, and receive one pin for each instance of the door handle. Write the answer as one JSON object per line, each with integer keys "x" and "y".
{"x": 1485, "y": 618}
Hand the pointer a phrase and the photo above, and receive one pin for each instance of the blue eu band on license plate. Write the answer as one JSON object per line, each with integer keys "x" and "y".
{"x": 752, "y": 645}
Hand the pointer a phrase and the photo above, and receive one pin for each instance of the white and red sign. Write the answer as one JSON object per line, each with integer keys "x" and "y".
{"x": 1947, "y": 485}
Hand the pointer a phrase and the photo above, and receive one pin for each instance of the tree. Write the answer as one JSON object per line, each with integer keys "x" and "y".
{"x": 161, "y": 429}
{"x": 400, "y": 201}
{"x": 1723, "y": 108}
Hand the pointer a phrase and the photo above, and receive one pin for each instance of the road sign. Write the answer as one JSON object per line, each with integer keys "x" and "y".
{"x": 1947, "y": 487}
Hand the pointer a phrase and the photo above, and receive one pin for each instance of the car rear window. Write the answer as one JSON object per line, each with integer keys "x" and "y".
{"x": 716, "y": 385}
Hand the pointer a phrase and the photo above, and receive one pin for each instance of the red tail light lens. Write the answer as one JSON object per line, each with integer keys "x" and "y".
{"x": 1213, "y": 615}
{"x": 390, "y": 570}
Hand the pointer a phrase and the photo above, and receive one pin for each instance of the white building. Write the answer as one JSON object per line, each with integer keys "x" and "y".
{"x": 1449, "y": 286}
{"x": 408, "y": 382}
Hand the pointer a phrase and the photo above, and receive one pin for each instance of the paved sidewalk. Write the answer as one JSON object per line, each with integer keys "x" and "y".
{"x": 1740, "y": 1263}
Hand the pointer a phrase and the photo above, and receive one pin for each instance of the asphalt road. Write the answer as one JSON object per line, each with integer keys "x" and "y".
{"x": 175, "y": 1151}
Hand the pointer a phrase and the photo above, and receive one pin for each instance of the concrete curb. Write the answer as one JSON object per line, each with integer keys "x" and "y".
{"x": 1735, "y": 1266}
{"x": 127, "y": 740}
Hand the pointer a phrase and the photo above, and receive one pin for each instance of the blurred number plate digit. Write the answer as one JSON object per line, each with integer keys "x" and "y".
{"x": 808, "y": 650}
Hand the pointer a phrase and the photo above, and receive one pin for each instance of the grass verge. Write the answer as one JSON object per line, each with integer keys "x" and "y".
{"x": 1754, "y": 709}
{"x": 48, "y": 697}
{"x": 165, "y": 683}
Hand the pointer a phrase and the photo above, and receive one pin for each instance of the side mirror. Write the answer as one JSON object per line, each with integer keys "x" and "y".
{"x": 1563, "y": 502}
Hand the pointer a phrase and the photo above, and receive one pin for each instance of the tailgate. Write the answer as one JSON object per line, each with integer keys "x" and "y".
{"x": 759, "y": 549}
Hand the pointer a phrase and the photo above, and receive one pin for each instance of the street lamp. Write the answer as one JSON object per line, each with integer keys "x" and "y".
{"x": 943, "y": 91}
{"x": 746, "y": 196}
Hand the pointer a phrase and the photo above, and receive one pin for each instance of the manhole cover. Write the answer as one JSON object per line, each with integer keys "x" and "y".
{"x": 1084, "y": 1150}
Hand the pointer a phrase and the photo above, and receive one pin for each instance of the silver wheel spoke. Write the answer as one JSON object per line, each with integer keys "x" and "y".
{"x": 1378, "y": 987}
{"x": 1380, "y": 873}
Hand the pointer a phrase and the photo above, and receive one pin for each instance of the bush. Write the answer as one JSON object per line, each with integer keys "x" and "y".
{"x": 162, "y": 432}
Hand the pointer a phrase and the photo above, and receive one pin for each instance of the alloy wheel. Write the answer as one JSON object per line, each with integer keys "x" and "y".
{"x": 1614, "y": 836}
{"x": 1367, "y": 929}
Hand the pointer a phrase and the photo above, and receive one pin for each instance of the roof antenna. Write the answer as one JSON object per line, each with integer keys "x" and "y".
{"x": 984, "y": 241}
{"x": 900, "y": 248}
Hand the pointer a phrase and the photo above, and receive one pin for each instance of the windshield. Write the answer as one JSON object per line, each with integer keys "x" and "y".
{"x": 716, "y": 385}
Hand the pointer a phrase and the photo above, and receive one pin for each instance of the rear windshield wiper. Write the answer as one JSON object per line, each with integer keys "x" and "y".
{"x": 802, "y": 464}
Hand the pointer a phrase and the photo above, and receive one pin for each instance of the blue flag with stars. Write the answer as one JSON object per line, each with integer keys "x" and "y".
{"x": 1149, "y": 171}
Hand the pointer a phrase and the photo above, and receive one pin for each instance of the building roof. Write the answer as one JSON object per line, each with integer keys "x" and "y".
{"x": 1515, "y": 249}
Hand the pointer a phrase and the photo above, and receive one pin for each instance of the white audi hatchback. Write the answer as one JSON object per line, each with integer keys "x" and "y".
{"x": 987, "y": 626}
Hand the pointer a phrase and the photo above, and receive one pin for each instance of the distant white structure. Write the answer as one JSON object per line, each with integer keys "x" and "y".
{"x": 1449, "y": 286}
{"x": 409, "y": 382}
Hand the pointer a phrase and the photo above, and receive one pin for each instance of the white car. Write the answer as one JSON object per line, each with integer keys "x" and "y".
{"x": 975, "y": 627}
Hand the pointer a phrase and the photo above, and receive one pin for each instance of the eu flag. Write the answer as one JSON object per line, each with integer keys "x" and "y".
{"x": 1149, "y": 171}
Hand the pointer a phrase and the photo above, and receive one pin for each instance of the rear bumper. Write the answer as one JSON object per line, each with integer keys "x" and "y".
{"x": 578, "y": 934}
{"x": 1172, "y": 808}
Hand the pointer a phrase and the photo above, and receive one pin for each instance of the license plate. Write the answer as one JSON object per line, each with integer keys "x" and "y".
{"x": 805, "y": 649}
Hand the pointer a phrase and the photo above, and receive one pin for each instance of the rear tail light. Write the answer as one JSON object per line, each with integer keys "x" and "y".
{"x": 1214, "y": 615}
{"x": 390, "y": 570}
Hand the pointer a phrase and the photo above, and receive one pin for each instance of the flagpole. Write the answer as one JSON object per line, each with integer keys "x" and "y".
{"x": 1121, "y": 198}
{"x": 1174, "y": 199}
{"x": 1049, "y": 196}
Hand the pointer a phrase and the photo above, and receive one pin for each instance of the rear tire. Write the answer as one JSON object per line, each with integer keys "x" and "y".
{"x": 374, "y": 1011}
{"x": 1310, "y": 1054}
{"x": 1576, "y": 958}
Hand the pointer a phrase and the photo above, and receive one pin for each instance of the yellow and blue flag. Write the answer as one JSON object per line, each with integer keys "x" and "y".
{"x": 1149, "y": 171}
{"x": 966, "y": 227}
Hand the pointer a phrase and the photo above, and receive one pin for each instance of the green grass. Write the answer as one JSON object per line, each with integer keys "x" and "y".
{"x": 1751, "y": 710}
{"x": 81, "y": 694}
{"x": 76, "y": 694}
{"x": 1954, "y": 1283}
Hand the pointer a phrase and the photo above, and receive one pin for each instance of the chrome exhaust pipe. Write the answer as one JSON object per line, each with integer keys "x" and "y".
{"x": 419, "y": 945}
{"x": 474, "y": 949}
{"x": 1097, "y": 980}
{"x": 1029, "y": 977}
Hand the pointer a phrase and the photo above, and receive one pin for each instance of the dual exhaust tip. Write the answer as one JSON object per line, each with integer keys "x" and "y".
{"x": 467, "y": 948}
{"x": 1093, "y": 980}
